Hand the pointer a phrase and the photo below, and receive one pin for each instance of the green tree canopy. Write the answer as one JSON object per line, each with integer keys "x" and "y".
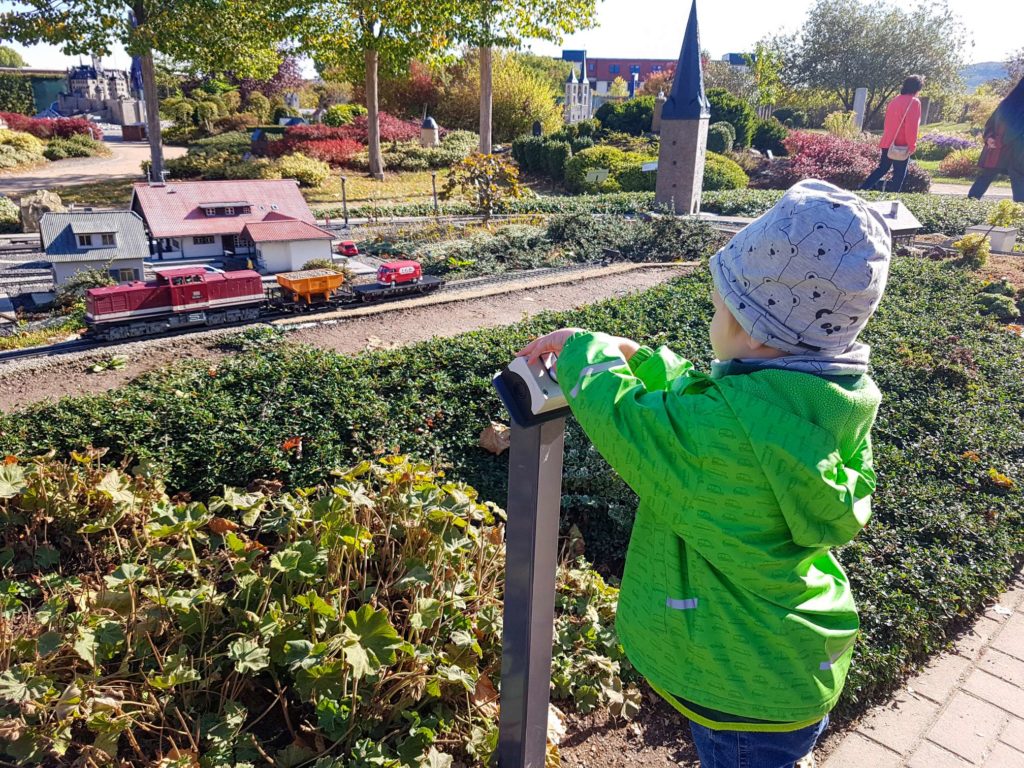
{"x": 10, "y": 57}
{"x": 211, "y": 35}
{"x": 848, "y": 44}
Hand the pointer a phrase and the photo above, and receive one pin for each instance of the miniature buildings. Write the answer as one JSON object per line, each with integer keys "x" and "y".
{"x": 602, "y": 72}
{"x": 196, "y": 219}
{"x": 577, "y": 95}
{"x": 107, "y": 93}
{"x": 684, "y": 130}
{"x": 114, "y": 241}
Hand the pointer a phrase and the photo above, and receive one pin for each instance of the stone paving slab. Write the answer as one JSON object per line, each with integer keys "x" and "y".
{"x": 964, "y": 710}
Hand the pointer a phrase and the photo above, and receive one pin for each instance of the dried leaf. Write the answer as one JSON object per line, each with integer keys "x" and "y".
{"x": 496, "y": 438}
{"x": 221, "y": 525}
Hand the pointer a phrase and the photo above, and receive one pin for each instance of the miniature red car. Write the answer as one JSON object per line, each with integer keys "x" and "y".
{"x": 393, "y": 272}
{"x": 347, "y": 248}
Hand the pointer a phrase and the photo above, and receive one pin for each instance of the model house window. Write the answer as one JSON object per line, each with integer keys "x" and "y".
{"x": 211, "y": 211}
{"x": 246, "y": 209}
{"x": 107, "y": 238}
{"x": 613, "y": 68}
{"x": 243, "y": 242}
{"x": 125, "y": 275}
{"x": 229, "y": 211}
{"x": 634, "y": 69}
{"x": 85, "y": 241}
{"x": 203, "y": 240}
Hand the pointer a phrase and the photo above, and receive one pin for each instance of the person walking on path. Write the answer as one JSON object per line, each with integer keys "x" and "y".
{"x": 1004, "y": 146}
{"x": 899, "y": 139}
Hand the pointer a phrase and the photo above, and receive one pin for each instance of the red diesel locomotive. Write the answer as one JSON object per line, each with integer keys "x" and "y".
{"x": 188, "y": 297}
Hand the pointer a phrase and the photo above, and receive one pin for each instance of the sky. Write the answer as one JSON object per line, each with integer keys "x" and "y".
{"x": 654, "y": 29}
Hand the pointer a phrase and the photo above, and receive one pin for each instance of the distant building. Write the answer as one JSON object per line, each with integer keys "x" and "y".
{"x": 737, "y": 60}
{"x": 264, "y": 218}
{"x": 578, "y": 104}
{"x": 107, "y": 93}
{"x": 114, "y": 241}
{"x": 602, "y": 72}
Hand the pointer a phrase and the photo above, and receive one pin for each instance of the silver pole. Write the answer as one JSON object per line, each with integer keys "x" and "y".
{"x": 344, "y": 201}
{"x": 531, "y": 556}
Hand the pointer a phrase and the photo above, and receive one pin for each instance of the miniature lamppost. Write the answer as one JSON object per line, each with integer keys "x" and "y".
{"x": 538, "y": 411}
{"x": 433, "y": 186}
{"x": 344, "y": 201}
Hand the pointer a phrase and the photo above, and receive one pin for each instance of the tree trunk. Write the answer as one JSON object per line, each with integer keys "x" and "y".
{"x": 486, "y": 91}
{"x": 152, "y": 102}
{"x": 373, "y": 116}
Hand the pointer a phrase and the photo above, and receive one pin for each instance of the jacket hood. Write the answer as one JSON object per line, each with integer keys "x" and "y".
{"x": 811, "y": 437}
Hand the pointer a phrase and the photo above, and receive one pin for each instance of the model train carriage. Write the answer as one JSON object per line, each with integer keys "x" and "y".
{"x": 178, "y": 298}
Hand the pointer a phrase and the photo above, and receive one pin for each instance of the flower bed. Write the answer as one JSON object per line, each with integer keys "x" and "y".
{"x": 947, "y": 530}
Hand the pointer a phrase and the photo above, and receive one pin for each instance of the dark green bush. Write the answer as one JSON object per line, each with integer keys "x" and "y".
{"x": 633, "y": 116}
{"x": 947, "y": 530}
{"x": 720, "y": 138}
{"x": 733, "y": 110}
{"x": 558, "y": 154}
{"x": 791, "y": 118}
{"x": 769, "y": 135}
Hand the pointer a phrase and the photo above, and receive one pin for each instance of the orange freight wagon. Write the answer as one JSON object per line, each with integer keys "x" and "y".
{"x": 311, "y": 286}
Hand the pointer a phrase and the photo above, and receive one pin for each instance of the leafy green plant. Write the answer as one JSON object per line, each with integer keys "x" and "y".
{"x": 364, "y": 615}
{"x": 305, "y": 170}
{"x": 770, "y": 135}
{"x": 72, "y": 291}
{"x": 488, "y": 181}
{"x": 725, "y": 107}
{"x": 112, "y": 363}
{"x": 841, "y": 124}
{"x": 722, "y": 173}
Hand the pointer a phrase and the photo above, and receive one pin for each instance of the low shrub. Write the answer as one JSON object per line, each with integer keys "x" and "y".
{"x": 843, "y": 162}
{"x": 944, "y": 538}
{"x": 720, "y": 173}
{"x": 342, "y": 114}
{"x": 308, "y": 171}
{"x": 1003, "y": 308}
{"x": 1006, "y": 213}
{"x": 974, "y": 249}
{"x": 72, "y": 291}
{"x": 558, "y": 155}
{"x": 51, "y": 128}
{"x": 595, "y": 159}
{"x": 725, "y": 107}
{"x": 236, "y": 142}
{"x": 771, "y": 135}
{"x": 240, "y": 121}
{"x": 76, "y": 146}
{"x": 936, "y": 146}
{"x": 720, "y": 138}
{"x": 21, "y": 141}
{"x": 961, "y": 163}
{"x": 333, "y": 151}
{"x": 842, "y": 125}
{"x": 10, "y": 219}
{"x": 342, "y": 610}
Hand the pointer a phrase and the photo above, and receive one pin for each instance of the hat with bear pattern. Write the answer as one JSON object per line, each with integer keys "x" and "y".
{"x": 807, "y": 275}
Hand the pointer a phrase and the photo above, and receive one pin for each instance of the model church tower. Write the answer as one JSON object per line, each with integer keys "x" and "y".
{"x": 684, "y": 130}
{"x": 577, "y": 95}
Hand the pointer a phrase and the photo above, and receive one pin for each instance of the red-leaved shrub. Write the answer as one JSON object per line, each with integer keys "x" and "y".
{"x": 335, "y": 145}
{"x": 843, "y": 162}
{"x": 52, "y": 128}
{"x": 333, "y": 151}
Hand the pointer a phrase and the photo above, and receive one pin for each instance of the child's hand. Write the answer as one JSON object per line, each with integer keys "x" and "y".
{"x": 550, "y": 344}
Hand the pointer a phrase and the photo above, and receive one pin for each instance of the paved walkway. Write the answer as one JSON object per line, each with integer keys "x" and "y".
{"x": 124, "y": 161}
{"x": 961, "y": 190}
{"x": 965, "y": 709}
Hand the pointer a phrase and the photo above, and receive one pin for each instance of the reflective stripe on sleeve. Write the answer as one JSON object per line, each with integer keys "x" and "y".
{"x": 596, "y": 368}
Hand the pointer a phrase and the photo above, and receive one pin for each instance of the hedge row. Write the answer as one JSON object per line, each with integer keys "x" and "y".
{"x": 947, "y": 531}
{"x": 937, "y": 213}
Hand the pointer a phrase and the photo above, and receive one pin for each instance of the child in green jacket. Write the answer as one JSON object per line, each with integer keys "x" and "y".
{"x": 732, "y": 603}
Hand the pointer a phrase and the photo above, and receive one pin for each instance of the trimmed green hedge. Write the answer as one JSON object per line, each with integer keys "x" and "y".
{"x": 937, "y": 213}
{"x": 947, "y": 531}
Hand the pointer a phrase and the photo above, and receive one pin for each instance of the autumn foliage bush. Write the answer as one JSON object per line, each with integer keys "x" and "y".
{"x": 51, "y": 128}
{"x": 336, "y": 144}
{"x": 843, "y": 162}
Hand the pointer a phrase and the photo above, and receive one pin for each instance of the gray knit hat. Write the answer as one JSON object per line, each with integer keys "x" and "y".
{"x": 806, "y": 276}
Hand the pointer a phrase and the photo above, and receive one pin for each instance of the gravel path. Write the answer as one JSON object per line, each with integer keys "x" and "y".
{"x": 40, "y": 379}
{"x": 124, "y": 161}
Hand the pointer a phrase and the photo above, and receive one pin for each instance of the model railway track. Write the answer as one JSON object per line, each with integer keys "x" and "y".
{"x": 456, "y": 287}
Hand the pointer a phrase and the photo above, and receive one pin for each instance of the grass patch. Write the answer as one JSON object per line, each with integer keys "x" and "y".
{"x": 72, "y": 325}
{"x": 947, "y": 530}
{"x": 111, "y": 193}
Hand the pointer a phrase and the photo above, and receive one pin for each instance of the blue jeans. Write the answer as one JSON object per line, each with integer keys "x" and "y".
{"x": 987, "y": 175}
{"x": 741, "y": 749}
{"x": 899, "y": 173}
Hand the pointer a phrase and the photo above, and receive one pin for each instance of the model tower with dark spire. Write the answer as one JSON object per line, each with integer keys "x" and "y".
{"x": 684, "y": 129}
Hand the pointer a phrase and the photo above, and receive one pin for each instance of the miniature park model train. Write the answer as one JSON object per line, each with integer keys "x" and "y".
{"x": 190, "y": 297}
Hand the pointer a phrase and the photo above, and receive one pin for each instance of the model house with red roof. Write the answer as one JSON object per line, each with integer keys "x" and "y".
{"x": 265, "y": 220}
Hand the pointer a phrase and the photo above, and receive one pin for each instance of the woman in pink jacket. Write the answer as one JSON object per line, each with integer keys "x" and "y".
{"x": 899, "y": 139}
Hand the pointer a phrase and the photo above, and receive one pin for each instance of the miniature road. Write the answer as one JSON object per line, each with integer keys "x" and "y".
{"x": 124, "y": 161}
{"x": 39, "y": 379}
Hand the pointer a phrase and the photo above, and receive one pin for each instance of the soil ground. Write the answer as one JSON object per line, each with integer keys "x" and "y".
{"x": 40, "y": 379}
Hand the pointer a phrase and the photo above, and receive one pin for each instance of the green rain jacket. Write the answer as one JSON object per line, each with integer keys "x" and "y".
{"x": 731, "y": 601}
